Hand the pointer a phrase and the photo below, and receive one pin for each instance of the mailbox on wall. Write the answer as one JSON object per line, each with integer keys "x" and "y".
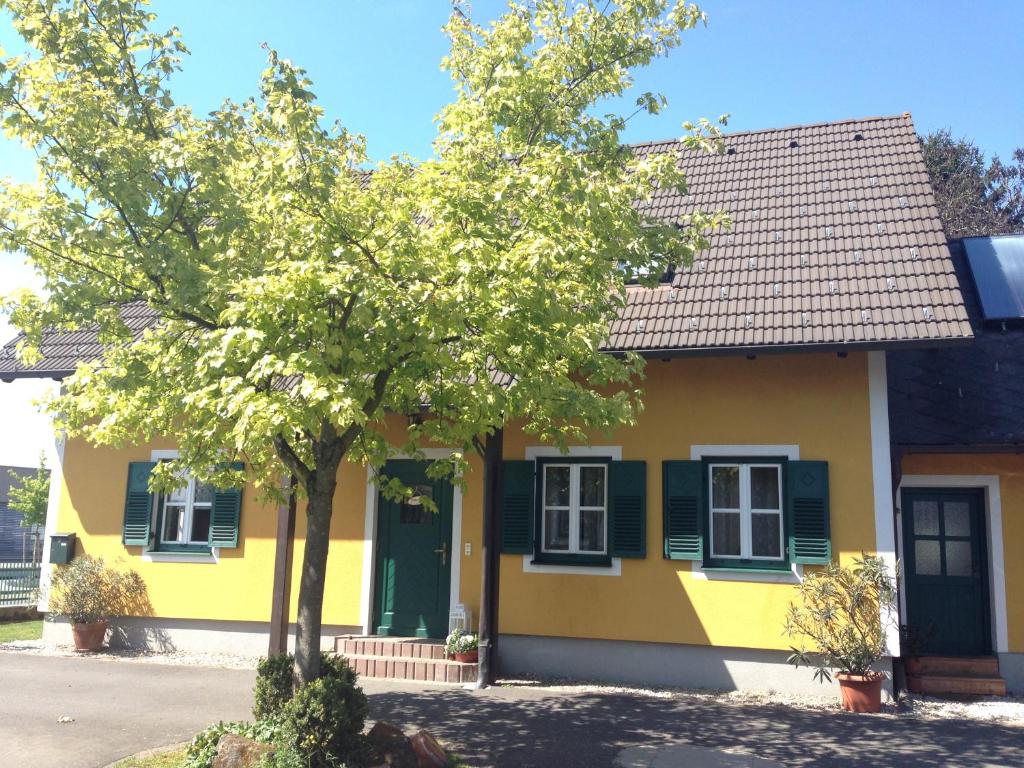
{"x": 62, "y": 548}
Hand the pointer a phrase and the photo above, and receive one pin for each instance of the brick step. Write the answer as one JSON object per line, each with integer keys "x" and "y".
{"x": 424, "y": 670}
{"x": 389, "y": 647}
{"x": 953, "y": 666}
{"x": 957, "y": 685}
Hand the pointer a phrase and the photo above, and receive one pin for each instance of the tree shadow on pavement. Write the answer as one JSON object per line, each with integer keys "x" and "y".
{"x": 516, "y": 728}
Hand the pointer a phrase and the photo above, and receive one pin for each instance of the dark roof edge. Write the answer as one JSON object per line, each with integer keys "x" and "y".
{"x": 781, "y": 349}
{"x": 8, "y": 376}
{"x": 850, "y": 346}
{"x": 907, "y": 448}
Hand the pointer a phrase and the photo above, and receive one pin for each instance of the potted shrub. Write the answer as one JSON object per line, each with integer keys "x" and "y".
{"x": 88, "y": 593}
{"x": 462, "y": 646}
{"x": 839, "y": 610}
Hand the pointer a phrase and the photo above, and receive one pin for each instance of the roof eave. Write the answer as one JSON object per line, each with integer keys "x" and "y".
{"x": 769, "y": 349}
{"x": 57, "y": 375}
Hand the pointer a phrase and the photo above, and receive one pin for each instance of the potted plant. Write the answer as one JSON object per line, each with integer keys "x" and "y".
{"x": 462, "y": 646}
{"x": 840, "y": 611}
{"x": 88, "y": 593}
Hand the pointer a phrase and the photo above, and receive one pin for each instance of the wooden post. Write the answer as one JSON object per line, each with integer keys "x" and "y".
{"x": 282, "y": 597}
{"x": 491, "y": 556}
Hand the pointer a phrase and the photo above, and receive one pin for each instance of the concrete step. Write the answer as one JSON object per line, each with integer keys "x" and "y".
{"x": 423, "y": 669}
{"x": 953, "y": 666}
{"x": 389, "y": 647}
{"x": 956, "y": 685}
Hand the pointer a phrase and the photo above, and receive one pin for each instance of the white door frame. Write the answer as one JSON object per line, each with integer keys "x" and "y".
{"x": 367, "y": 595}
{"x": 994, "y": 534}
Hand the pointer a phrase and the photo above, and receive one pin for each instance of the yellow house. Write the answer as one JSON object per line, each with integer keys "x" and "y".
{"x": 666, "y": 553}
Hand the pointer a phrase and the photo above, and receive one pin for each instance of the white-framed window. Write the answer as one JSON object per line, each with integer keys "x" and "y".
{"x": 574, "y": 513}
{"x": 185, "y": 515}
{"x": 745, "y": 506}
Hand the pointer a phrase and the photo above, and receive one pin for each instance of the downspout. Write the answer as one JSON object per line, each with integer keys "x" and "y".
{"x": 491, "y": 557}
{"x": 282, "y": 590}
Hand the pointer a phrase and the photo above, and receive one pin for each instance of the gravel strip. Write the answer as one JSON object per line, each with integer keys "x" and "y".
{"x": 129, "y": 655}
{"x": 1007, "y": 710}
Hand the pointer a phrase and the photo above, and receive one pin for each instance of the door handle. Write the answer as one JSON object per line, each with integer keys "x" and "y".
{"x": 443, "y": 552}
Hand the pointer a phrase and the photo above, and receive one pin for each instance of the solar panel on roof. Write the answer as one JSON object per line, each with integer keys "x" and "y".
{"x": 997, "y": 264}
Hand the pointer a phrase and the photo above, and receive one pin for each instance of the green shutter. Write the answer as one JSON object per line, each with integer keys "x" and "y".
{"x": 683, "y": 509}
{"x": 138, "y": 505}
{"x": 227, "y": 505}
{"x": 517, "y": 507}
{"x": 627, "y": 508}
{"x": 809, "y": 536}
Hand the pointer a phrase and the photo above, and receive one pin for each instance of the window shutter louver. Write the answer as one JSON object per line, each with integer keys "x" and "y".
{"x": 517, "y": 507}
{"x": 225, "y": 514}
{"x": 138, "y": 505}
{"x": 683, "y": 509}
{"x": 809, "y": 535}
{"x": 627, "y": 509}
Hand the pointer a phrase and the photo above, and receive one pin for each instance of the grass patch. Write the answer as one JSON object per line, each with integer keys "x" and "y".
{"x": 171, "y": 759}
{"x": 11, "y": 631}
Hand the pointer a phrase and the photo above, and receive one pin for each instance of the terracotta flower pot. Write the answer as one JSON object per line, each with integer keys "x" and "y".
{"x": 89, "y": 637}
{"x": 470, "y": 657}
{"x": 861, "y": 693}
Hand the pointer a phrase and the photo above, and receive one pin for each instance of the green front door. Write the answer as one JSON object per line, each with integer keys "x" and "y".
{"x": 414, "y": 556}
{"x": 946, "y": 565}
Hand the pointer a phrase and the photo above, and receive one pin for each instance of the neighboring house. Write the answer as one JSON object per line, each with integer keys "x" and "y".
{"x": 957, "y": 430}
{"x": 666, "y": 553}
{"x": 18, "y": 543}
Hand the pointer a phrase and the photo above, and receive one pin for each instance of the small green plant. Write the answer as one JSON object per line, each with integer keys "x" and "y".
{"x": 275, "y": 684}
{"x": 324, "y": 719}
{"x": 86, "y": 591}
{"x": 840, "y": 610}
{"x": 461, "y": 642}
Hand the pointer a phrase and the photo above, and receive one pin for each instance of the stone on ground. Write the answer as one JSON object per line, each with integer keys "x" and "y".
{"x": 428, "y": 751}
{"x": 234, "y": 751}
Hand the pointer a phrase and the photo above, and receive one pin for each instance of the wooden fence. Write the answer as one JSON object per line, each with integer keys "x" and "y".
{"x": 19, "y": 583}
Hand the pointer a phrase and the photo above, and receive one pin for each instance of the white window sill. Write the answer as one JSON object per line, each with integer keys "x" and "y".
{"x": 181, "y": 557}
{"x": 615, "y": 569}
{"x": 793, "y": 576}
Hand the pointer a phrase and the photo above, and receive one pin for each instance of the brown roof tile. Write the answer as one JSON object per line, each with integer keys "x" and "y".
{"x": 831, "y": 226}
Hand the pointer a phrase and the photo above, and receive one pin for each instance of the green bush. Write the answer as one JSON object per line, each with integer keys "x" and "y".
{"x": 274, "y": 686}
{"x": 324, "y": 720}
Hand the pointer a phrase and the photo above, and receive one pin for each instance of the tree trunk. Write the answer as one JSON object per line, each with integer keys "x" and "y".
{"x": 320, "y": 488}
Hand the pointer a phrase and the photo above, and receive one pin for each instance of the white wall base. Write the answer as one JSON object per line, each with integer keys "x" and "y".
{"x": 661, "y": 665}
{"x": 1011, "y": 669}
{"x": 242, "y": 638}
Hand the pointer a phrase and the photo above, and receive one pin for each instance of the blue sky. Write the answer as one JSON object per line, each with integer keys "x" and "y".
{"x": 375, "y": 67}
{"x": 769, "y": 64}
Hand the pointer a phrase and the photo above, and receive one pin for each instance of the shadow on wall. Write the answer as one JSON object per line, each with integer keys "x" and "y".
{"x": 519, "y": 730}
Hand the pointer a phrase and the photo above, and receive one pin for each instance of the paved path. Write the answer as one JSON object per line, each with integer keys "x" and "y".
{"x": 123, "y": 707}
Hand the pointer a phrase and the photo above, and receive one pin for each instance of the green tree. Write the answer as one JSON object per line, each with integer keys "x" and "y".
{"x": 30, "y": 494}
{"x": 974, "y": 198}
{"x": 301, "y": 300}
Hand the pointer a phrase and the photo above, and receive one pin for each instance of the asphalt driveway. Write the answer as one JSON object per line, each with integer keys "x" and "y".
{"x": 122, "y": 707}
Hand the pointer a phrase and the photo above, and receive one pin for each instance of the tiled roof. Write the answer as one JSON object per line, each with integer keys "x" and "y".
{"x": 835, "y": 242}
{"x": 62, "y": 350}
{"x": 964, "y": 396}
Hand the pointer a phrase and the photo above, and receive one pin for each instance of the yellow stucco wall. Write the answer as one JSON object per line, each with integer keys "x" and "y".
{"x": 238, "y": 587}
{"x": 1010, "y": 469}
{"x": 819, "y": 402}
